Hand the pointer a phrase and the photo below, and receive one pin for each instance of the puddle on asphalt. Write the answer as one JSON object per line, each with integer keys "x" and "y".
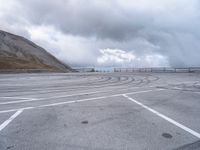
{"x": 84, "y": 122}
{"x": 9, "y": 147}
{"x": 167, "y": 135}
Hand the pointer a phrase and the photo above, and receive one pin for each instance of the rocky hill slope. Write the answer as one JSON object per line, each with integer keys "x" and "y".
{"x": 16, "y": 52}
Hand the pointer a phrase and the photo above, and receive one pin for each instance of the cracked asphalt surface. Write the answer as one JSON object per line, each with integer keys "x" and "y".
{"x": 100, "y": 111}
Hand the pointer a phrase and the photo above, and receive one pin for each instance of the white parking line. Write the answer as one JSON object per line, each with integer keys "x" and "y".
{"x": 185, "y": 90}
{"x": 91, "y": 99}
{"x": 75, "y": 101}
{"x": 5, "y": 123}
{"x": 40, "y": 99}
{"x": 164, "y": 117}
{"x": 55, "y": 97}
{"x": 9, "y": 97}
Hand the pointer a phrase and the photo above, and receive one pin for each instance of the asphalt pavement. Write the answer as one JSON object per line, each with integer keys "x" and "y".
{"x": 100, "y": 111}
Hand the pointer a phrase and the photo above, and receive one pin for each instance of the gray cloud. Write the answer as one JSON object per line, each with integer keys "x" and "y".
{"x": 75, "y": 30}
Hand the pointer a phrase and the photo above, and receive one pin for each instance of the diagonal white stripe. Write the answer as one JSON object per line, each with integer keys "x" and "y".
{"x": 5, "y": 123}
{"x": 165, "y": 117}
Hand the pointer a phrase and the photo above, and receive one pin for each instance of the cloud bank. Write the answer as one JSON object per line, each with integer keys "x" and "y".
{"x": 110, "y": 33}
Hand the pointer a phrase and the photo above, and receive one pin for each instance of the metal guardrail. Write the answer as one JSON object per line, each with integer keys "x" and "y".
{"x": 159, "y": 69}
{"x": 87, "y": 69}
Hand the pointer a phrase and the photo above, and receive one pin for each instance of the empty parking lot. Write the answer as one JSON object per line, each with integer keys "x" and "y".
{"x": 100, "y": 111}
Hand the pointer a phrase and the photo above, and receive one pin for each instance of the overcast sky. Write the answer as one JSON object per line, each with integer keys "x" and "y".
{"x": 127, "y": 33}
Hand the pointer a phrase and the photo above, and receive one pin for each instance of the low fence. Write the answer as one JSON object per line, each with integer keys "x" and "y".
{"x": 161, "y": 69}
{"x": 84, "y": 69}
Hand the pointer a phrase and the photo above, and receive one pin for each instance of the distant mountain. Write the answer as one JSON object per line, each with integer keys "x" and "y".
{"x": 16, "y": 52}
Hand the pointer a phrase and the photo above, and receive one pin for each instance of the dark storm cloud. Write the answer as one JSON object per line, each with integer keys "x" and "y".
{"x": 86, "y": 18}
{"x": 168, "y": 28}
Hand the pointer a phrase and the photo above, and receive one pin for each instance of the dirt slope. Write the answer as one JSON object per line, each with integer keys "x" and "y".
{"x": 16, "y": 52}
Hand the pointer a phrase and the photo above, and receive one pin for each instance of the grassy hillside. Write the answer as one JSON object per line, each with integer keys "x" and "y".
{"x": 17, "y": 52}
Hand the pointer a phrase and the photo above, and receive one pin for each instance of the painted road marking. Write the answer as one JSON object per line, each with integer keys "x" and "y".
{"x": 164, "y": 117}
{"x": 9, "y": 97}
{"x": 55, "y": 97}
{"x": 24, "y": 99}
{"x": 76, "y": 101}
{"x": 5, "y": 123}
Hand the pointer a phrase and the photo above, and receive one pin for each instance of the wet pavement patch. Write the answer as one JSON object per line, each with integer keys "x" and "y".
{"x": 84, "y": 122}
{"x": 9, "y": 147}
{"x": 167, "y": 135}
